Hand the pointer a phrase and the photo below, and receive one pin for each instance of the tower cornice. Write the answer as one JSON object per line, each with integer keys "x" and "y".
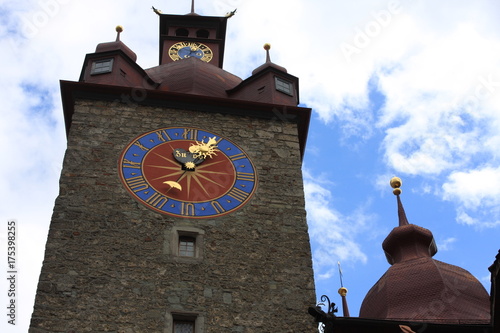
{"x": 70, "y": 91}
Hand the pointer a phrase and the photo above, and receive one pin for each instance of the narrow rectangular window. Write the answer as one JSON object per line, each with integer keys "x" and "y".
{"x": 187, "y": 246}
{"x": 284, "y": 86}
{"x": 102, "y": 66}
{"x": 183, "y": 326}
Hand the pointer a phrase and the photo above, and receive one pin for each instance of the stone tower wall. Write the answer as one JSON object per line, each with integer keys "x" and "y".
{"x": 109, "y": 262}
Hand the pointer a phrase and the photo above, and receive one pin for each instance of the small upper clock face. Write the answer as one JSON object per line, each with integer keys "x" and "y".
{"x": 182, "y": 50}
{"x": 187, "y": 172}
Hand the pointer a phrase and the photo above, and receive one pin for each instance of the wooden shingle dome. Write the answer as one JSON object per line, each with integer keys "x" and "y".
{"x": 193, "y": 76}
{"x": 419, "y": 288}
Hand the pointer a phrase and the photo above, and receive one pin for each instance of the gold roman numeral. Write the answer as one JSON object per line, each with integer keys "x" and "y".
{"x": 238, "y": 194}
{"x": 218, "y": 207}
{"x": 131, "y": 164}
{"x": 190, "y": 134}
{"x": 245, "y": 176}
{"x": 237, "y": 157}
{"x": 138, "y": 144}
{"x": 157, "y": 200}
{"x": 137, "y": 183}
{"x": 187, "y": 209}
{"x": 163, "y": 136}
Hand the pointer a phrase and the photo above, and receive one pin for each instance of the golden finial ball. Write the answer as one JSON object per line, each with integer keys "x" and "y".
{"x": 343, "y": 291}
{"x": 396, "y": 184}
{"x": 267, "y": 46}
{"x": 119, "y": 28}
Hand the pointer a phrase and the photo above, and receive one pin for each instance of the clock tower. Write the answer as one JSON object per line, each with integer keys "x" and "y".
{"x": 181, "y": 204}
{"x": 183, "y": 36}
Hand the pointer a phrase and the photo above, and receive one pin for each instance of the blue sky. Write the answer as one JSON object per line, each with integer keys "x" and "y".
{"x": 398, "y": 88}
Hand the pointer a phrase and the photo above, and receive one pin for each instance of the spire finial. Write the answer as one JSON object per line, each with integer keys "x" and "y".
{"x": 340, "y": 274}
{"x": 157, "y": 11}
{"x": 343, "y": 293}
{"x": 345, "y": 308}
{"x": 192, "y": 6}
{"x": 118, "y": 29}
{"x": 267, "y": 47}
{"x": 396, "y": 184}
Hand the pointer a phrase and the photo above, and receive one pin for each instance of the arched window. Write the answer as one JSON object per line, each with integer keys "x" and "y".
{"x": 202, "y": 33}
{"x": 182, "y": 32}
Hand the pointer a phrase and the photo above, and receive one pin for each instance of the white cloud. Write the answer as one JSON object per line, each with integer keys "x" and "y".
{"x": 474, "y": 188}
{"x": 440, "y": 114}
{"x": 430, "y": 125}
{"x": 486, "y": 279}
{"x": 334, "y": 233}
{"x": 476, "y": 193}
{"x": 446, "y": 244}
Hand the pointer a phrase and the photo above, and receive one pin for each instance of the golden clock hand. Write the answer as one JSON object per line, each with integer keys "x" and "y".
{"x": 175, "y": 184}
{"x": 201, "y": 150}
{"x": 190, "y": 166}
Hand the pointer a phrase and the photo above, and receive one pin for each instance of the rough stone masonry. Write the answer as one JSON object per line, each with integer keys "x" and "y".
{"x": 109, "y": 262}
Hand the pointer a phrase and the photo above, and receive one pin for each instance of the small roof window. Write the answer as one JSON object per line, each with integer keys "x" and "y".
{"x": 102, "y": 66}
{"x": 284, "y": 86}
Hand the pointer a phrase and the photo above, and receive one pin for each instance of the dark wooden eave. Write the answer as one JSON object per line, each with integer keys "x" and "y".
{"x": 363, "y": 325}
{"x": 495, "y": 292}
{"x": 70, "y": 91}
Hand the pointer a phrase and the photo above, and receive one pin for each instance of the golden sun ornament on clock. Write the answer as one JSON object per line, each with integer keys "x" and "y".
{"x": 183, "y": 50}
{"x": 187, "y": 172}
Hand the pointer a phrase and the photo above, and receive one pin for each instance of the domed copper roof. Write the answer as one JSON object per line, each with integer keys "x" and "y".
{"x": 425, "y": 289}
{"x": 193, "y": 76}
{"x": 419, "y": 288}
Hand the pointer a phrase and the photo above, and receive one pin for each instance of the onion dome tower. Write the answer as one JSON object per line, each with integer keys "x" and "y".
{"x": 419, "y": 288}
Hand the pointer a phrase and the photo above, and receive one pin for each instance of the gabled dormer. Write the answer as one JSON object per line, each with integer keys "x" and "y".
{"x": 114, "y": 63}
{"x": 269, "y": 83}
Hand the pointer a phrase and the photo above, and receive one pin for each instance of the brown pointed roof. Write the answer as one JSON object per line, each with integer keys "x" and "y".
{"x": 116, "y": 45}
{"x": 268, "y": 62}
{"x": 419, "y": 288}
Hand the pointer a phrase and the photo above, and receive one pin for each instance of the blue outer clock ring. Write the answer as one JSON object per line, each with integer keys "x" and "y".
{"x": 134, "y": 174}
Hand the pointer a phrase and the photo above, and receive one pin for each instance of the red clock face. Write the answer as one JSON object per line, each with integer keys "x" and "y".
{"x": 187, "y": 172}
{"x": 207, "y": 181}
